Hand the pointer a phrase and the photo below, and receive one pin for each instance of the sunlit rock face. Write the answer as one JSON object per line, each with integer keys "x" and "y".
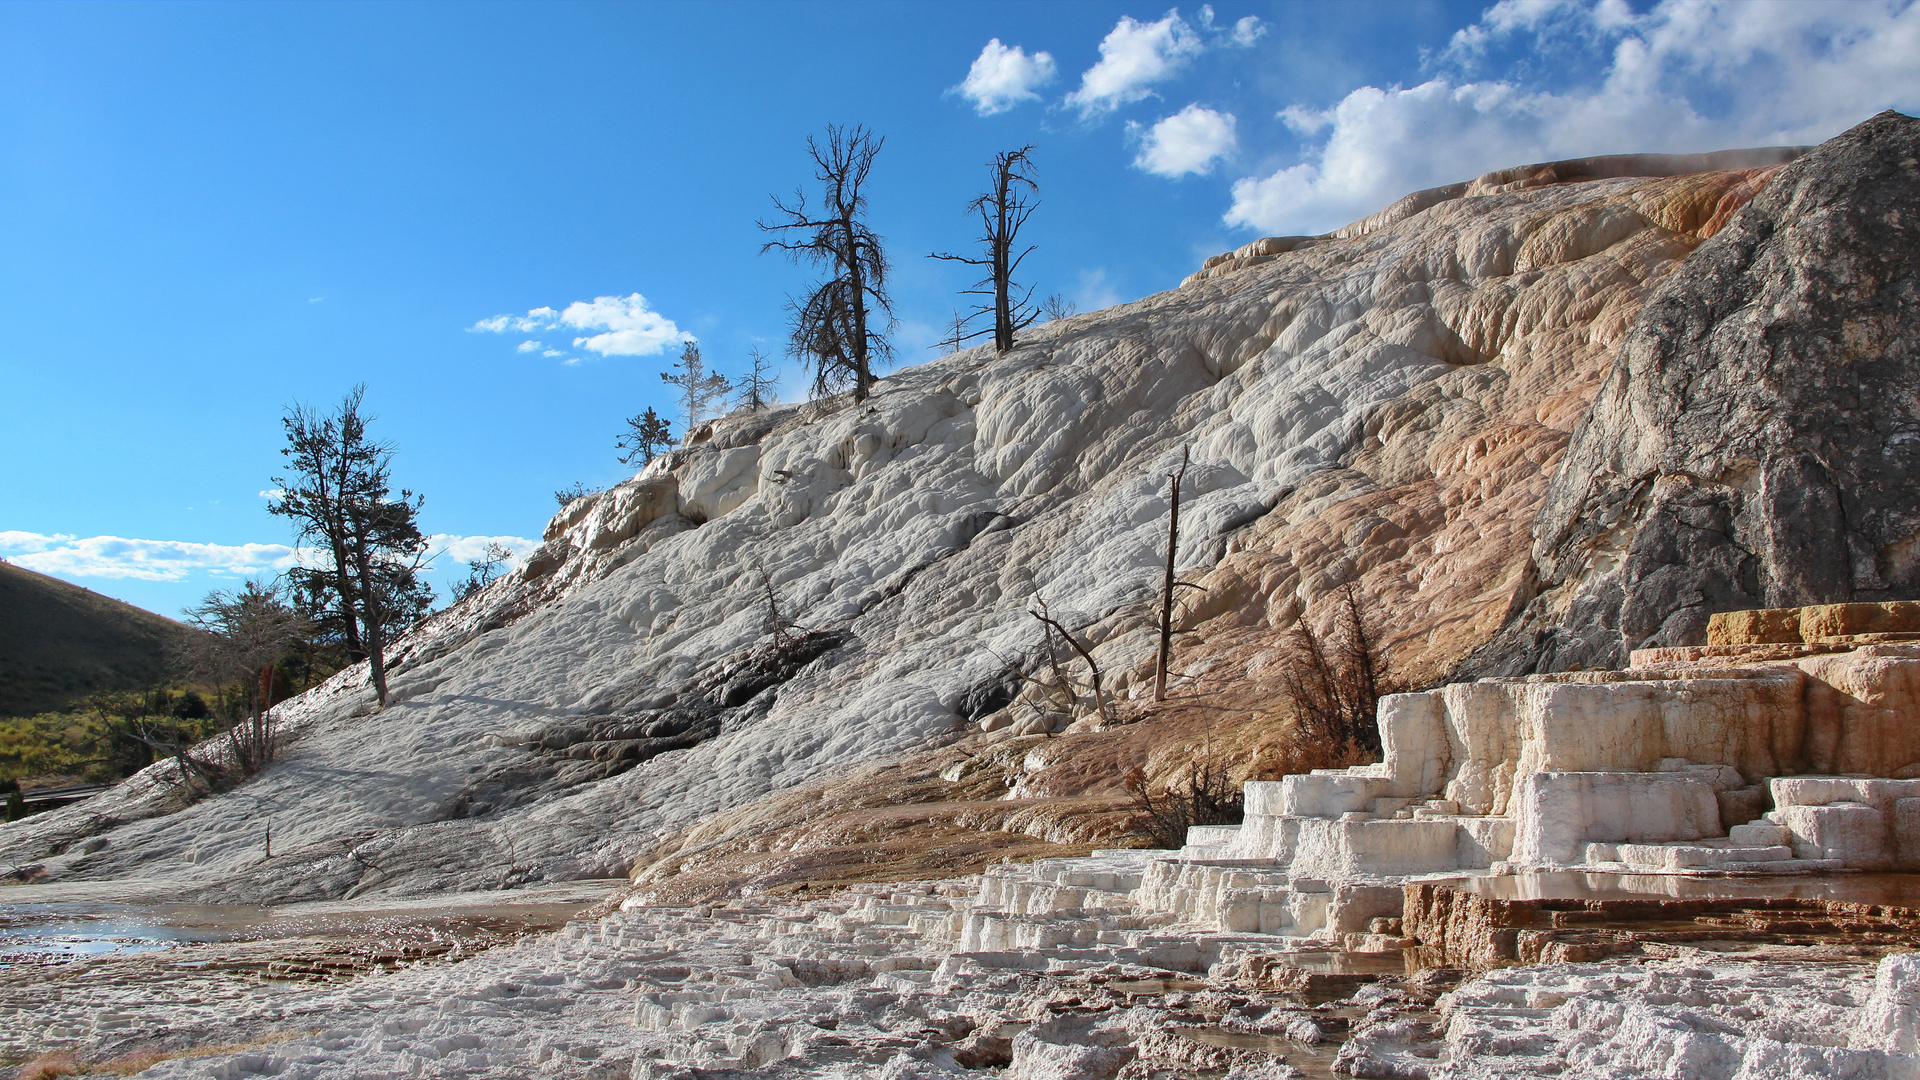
{"x": 1387, "y": 405}
{"x": 1758, "y": 443}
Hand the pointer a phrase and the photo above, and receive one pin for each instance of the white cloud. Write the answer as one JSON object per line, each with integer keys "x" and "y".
{"x": 1186, "y": 143}
{"x": 1003, "y": 77}
{"x": 1133, "y": 56}
{"x": 1683, "y": 77}
{"x": 1241, "y": 34}
{"x": 147, "y": 560}
{"x": 271, "y": 494}
{"x": 538, "y": 319}
{"x": 451, "y": 550}
{"x": 626, "y": 326}
{"x": 1305, "y": 121}
{"x": 24, "y": 542}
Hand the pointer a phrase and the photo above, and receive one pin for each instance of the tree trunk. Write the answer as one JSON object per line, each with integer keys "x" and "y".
{"x": 1166, "y": 589}
{"x": 376, "y": 635}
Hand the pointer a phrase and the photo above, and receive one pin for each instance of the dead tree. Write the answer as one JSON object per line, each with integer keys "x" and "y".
{"x": 1336, "y": 680}
{"x": 248, "y": 633}
{"x": 832, "y": 323}
{"x": 1003, "y": 208}
{"x": 1174, "y": 480}
{"x": 754, "y": 391}
{"x": 1206, "y": 793}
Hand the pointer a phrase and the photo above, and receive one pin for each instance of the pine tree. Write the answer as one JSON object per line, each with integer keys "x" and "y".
{"x": 646, "y": 437}
{"x": 340, "y": 495}
{"x": 698, "y": 388}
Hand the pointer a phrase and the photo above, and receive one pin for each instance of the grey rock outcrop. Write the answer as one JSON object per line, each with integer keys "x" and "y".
{"x": 1757, "y": 442}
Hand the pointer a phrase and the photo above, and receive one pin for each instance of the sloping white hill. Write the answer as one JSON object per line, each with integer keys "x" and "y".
{"x": 621, "y": 684}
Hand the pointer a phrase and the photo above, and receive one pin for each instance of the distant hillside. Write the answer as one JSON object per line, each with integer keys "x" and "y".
{"x": 59, "y": 640}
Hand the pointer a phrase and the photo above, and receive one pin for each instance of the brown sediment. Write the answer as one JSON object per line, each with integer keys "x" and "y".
{"x": 1478, "y": 924}
{"x": 979, "y": 801}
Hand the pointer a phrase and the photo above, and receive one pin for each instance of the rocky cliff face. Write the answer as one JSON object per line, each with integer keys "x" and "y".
{"x": 1389, "y": 405}
{"x": 1757, "y": 442}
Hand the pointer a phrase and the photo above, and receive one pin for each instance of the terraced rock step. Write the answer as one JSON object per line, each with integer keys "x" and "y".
{"x": 1477, "y": 924}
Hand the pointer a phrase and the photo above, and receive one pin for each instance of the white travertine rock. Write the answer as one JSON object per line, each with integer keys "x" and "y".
{"x": 1855, "y": 834}
{"x": 1892, "y": 1020}
{"x": 1559, "y": 813}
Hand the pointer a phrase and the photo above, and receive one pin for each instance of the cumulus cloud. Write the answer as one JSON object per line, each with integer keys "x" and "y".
{"x": 627, "y": 326}
{"x": 451, "y": 549}
{"x": 1133, "y": 56}
{"x": 611, "y": 325}
{"x": 1003, "y": 77}
{"x": 1682, "y": 77}
{"x": 1186, "y": 143}
{"x": 147, "y": 560}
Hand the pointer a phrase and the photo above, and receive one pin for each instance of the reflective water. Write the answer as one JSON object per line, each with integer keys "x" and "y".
{"x": 39, "y": 933}
{"x": 80, "y": 930}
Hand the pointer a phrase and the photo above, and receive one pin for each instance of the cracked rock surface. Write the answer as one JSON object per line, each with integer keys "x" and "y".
{"x": 1757, "y": 443}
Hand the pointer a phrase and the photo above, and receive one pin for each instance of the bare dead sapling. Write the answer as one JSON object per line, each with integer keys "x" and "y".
{"x": 755, "y": 391}
{"x": 249, "y": 633}
{"x": 1336, "y": 679}
{"x": 833, "y": 322}
{"x": 483, "y": 571}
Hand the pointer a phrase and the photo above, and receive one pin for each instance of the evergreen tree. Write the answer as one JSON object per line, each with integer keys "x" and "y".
{"x": 697, "y": 388}
{"x": 646, "y": 438}
{"x": 340, "y": 495}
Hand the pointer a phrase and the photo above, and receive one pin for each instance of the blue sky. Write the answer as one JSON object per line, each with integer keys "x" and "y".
{"x": 212, "y": 211}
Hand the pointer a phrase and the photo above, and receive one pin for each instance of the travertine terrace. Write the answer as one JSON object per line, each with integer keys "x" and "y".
{"x": 1632, "y": 438}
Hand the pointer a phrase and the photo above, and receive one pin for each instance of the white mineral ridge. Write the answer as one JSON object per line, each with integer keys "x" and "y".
{"x": 878, "y": 520}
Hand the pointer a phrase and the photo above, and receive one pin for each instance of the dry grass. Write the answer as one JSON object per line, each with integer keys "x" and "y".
{"x": 48, "y": 1066}
{"x": 59, "y": 1063}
